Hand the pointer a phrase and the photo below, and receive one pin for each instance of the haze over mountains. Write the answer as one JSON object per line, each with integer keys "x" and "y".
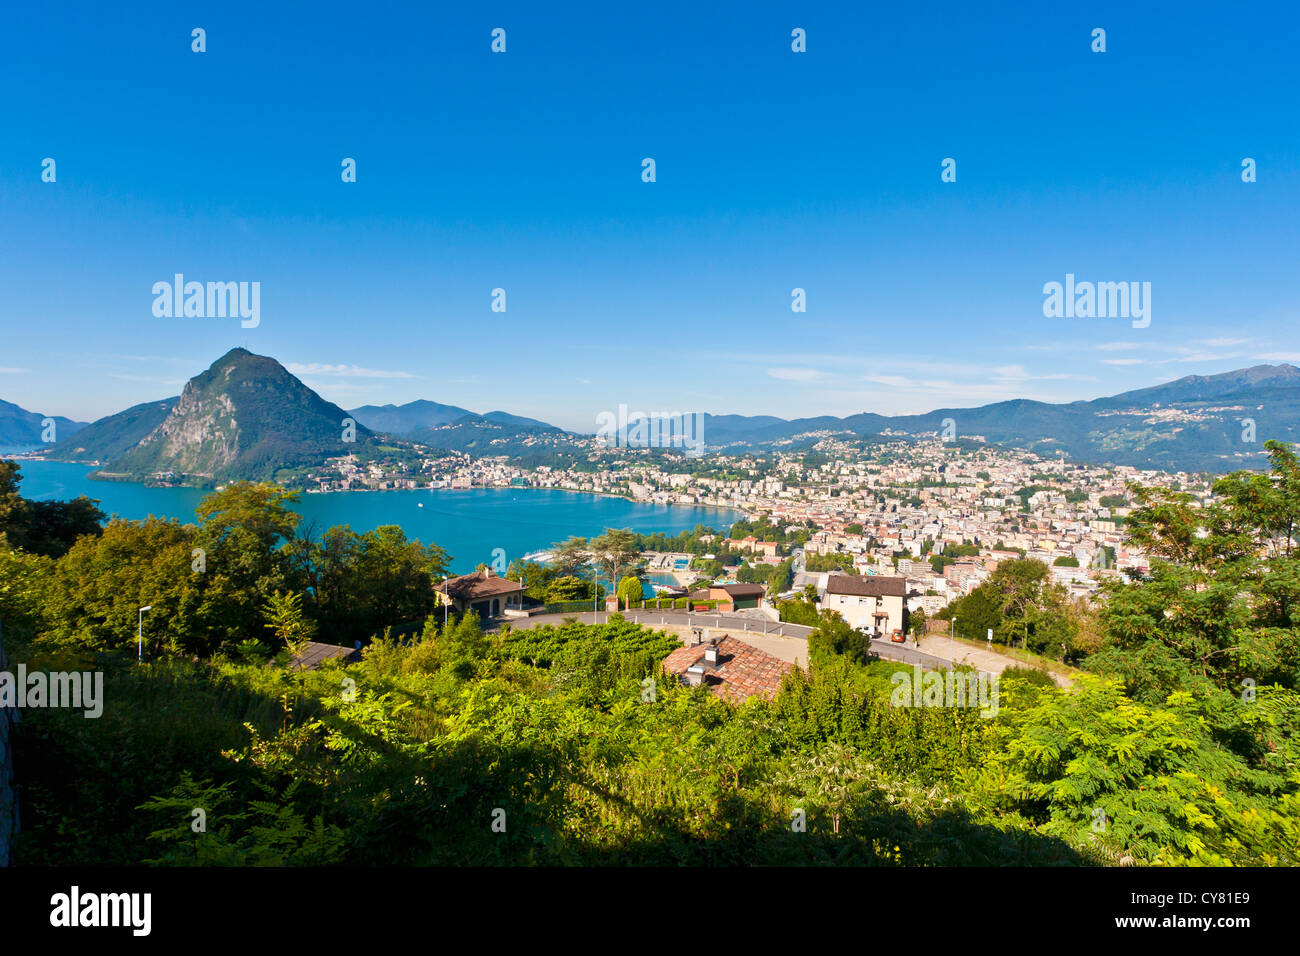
{"x": 1193, "y": 423}
{"x": 413, "y": 417}
{"x": 249, "y": 417}
{"x": 20, "y": 428}
{"x": 116, "y": 434}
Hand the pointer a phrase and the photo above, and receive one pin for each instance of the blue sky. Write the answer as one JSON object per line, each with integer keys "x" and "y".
{"x": 522, "y": 171}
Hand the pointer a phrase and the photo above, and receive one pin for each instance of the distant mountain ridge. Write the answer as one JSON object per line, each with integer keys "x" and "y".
{"x": 247, "y": 416}
{"x": 1198, "y": 422}
{"x": 1192, "y": 423}
{"x": 408, "y": 418}
{"x": 114, "y": 435}
{"x": 420, "y": 415}
{"x": 20, "y": 428}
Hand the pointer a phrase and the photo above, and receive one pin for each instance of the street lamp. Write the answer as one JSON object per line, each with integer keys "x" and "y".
{"x": 139, "y": 630}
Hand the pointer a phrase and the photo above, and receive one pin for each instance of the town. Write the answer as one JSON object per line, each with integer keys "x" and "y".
{"x": 941, "y": 515}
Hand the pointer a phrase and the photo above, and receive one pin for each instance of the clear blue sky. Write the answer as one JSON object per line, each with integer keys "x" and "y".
{"x": 775, "y": 170}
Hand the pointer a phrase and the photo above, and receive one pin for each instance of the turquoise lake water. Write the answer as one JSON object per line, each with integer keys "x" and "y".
{"x": 468, "y": 524}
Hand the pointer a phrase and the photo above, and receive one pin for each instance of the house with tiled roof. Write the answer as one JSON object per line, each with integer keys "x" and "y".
{"x": 872, "y": 603}
{"x": 730, "y": 668}
{"x": 482, "y": 592}
{"x": 731, "y": 597}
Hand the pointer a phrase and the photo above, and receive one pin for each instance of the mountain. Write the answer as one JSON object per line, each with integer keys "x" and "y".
{"x": 505, "y": 418}
{"x": 246, "y": 417}
{"x": 451, "y": 428}
{"x": 408, "y": 418}
{"x": 20, "y": 428}
{"x": 486, "y": 435}
{"x": 1191, "y": 424}
{"x": 1202, "y": 387}
{"x": 113, "y": 435}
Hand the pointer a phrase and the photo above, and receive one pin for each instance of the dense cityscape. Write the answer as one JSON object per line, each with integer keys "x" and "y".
{"x": 894, "y": 508}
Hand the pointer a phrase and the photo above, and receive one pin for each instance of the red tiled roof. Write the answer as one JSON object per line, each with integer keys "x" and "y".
{"x": 743, "y": 670}
{"x": 478, "y": 585}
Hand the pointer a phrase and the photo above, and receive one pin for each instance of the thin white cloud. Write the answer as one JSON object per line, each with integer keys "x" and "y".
{"x": 1279, "y": 357}
{"x": 12, "y": 371}
{"x": 948, "y": 387}
{"x": 862, "y": 363}
{"x": 343, "y": 371}
{"x": 893, "y": 381}
{"x": 326, "y": 389}
{"x": 795, "y": 374}
{"x": 1018, "y": 373}
{"x": 151, "y": 358}
{"x": 1191, "y": 356}
{"x": 151, "y": 379}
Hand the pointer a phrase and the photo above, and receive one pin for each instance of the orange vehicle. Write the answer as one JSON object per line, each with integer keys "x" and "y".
{"x": 896, "y": 635}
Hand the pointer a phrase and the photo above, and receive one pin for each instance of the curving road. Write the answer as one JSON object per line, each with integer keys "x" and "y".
{"x": 786, "y": 641}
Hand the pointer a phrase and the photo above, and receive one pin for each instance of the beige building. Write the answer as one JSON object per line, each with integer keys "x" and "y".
{"x": 768, "y": 549}
{"x": 871, "y": 603}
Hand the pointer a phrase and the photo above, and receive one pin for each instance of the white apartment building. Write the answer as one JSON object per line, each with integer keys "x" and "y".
{"x": 872, "y": 603}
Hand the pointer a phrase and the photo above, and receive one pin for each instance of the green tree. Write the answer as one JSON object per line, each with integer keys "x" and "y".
{"x": 916, "y": 622}
{"x": 571, "y": 557}
{"x": 613, "y": 551}
{"x": 629, "y": 591}
{"x": 1220, "y": 603}
{"x": 102, "y": 582}
{"x": 286, "y": 621}
{"x": 363, "y": 583}
{"x": 49, "y": 528}
{"x": 245, "y": 533}
{"x": 26, "y": 581}
{"x": 568, "y": 588}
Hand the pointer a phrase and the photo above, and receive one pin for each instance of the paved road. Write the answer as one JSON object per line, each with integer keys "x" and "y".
{"x": 909, "y": 654}
{"x": 651, "y": 617}
{"x": 789, "y": 642}
{"x": 986, "y": 660}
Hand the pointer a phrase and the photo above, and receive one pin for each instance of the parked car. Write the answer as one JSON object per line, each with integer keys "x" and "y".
{"x": 897, "y": 636}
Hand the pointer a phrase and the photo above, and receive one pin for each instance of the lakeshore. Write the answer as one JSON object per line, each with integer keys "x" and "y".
{"x": 474, "y": 526}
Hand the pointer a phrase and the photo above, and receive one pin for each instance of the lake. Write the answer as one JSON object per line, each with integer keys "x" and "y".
{"x": 468, "y": 524}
